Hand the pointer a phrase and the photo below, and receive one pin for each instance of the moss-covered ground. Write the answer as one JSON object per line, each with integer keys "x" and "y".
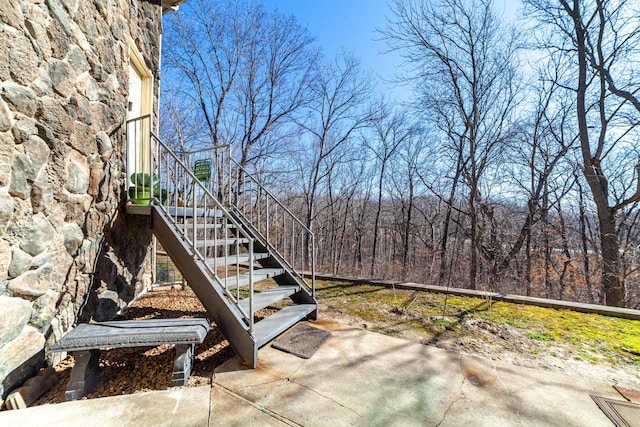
{"x": 588, "y": 337}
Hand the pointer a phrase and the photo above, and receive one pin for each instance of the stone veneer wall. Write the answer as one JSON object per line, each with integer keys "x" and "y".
{"x": 67, "y": 249}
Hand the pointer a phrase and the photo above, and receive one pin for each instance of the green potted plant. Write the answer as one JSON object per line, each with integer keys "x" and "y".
{"x": 140, "y": 192}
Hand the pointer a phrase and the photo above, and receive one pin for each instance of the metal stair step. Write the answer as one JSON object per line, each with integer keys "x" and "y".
{"x": 268, "y": 297}
{"x": 203, "y": 226}
{"x": 272, "y": 326}
{"x": 241, "y": 280}
{"x": 199, "y": 212}
{"x": 235, "y": 259}
{"x": 220, "y": 242}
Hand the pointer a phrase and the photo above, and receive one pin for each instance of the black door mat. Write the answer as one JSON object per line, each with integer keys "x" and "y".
{"x": 621, "y": 413}
{"x": 303, "y": 340}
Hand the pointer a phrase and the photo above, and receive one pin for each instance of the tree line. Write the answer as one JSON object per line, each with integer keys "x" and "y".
{"x": 513, "y": 168}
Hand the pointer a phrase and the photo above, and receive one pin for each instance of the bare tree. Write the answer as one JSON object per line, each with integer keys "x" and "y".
{"x": 337, "y": 110}
{"x": 464, "y": 67}
{"x": 389, "y": 130}
{"x": 600, "y": 40}
{"x": 411, "y": 157}
{"x": 246, "y": 69}
{"x": 543, "y": 144}
{"x": 176, "y": 128}
{"x": 353, "y": 180}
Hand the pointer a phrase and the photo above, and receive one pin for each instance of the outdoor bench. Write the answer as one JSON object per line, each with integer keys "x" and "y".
{"x": 86, "y": 339}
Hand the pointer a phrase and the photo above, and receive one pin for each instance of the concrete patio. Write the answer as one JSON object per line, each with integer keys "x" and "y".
{"x": 356, "y": 378}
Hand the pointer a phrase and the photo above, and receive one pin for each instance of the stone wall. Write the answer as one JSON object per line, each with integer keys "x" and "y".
{"x": 67, "y": 249}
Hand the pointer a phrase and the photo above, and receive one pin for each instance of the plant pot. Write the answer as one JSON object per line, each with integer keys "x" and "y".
{"x": 140, "y": 197}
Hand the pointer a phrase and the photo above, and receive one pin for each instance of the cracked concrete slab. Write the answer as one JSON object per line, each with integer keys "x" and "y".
{"x": 357, "y": 378}
{"x": 229, "y": 409}
{"x": 363, "y": 378}
{"x": 179, "y": 406}
{"x": 506, "y": 394}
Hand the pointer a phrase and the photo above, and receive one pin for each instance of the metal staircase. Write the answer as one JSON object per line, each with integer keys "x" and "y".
{"x": 237, "y": 246}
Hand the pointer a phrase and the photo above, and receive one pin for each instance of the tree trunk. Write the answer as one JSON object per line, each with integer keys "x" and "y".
{"x": 473, "y": 267}
{"x": 376, "y": 223}
{"x": 447, "y": 221}
{"x": 407, "y": 228}
{"x": 611, "y": 284}
{"x": 583, "y": 239}
{"x": 546, "y": 227}
{"x": 527, "y": 275}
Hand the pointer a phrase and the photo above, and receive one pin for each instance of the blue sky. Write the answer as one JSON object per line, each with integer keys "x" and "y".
{"x": 348, "y": 24}
{"x": 351, "y": 24}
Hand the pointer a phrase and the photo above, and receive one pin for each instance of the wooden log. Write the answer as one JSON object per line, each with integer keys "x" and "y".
{"x": 32, "y": 389}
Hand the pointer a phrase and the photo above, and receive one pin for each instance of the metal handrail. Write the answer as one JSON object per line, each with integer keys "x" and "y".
{"x": 197, "y": 222}
{"x": 268, "y": 240}
{"x": 138, "y": 160}
{"x": 273, "y": 223}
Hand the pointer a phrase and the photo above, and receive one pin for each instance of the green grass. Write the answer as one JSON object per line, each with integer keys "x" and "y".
{"x": 538, "y": 337}
{"x": 444, "y": 323}
{"x": 513, "y": 323}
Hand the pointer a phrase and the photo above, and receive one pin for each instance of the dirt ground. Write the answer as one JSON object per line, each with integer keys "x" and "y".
{"x": 139, "y": 369}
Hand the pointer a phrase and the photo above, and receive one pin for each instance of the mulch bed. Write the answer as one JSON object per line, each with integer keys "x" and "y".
{"x": 140, "y": 369}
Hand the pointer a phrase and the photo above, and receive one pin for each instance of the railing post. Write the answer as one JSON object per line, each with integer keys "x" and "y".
{"x": 127, "y": 170}
{"x": 194, "y": 219}
{"x": 304, "y": 250}
{"x": 152, "y": 162}
{"x": 267, "y": 219}
{"x": 229, "y": 200}
{"x": 313, "y": 266}
{"x": 250, "y": 286}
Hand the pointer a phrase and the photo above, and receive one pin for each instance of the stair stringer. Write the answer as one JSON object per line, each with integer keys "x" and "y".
{"x": 226, "y": 316}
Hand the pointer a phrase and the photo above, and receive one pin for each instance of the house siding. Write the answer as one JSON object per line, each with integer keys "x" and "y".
{"x": 68, "y": 250}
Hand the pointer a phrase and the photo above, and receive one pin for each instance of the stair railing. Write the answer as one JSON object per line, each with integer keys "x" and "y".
{"x": 274, "y": 225}
{"x": 203, "y": 223}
